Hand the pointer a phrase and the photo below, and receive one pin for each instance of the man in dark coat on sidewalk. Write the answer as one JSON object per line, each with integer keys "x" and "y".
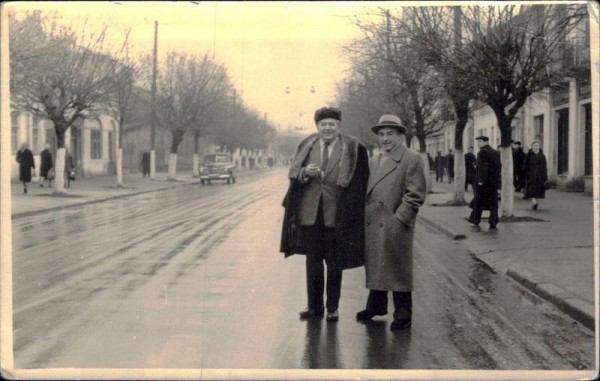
{"x": 439, "y": 164}
{"x": 518, "y": 159}
{"x": 450, "y": 166}
{"x": 324, "y": 209}
{"x": 487, "y": 182}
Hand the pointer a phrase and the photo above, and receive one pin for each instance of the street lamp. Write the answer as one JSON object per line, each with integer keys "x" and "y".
{"x": 288, "y": 90}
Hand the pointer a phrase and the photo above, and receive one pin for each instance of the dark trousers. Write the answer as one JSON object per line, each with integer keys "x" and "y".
{"x": 378, "y": 301}
{"x": 321, "y": 246}
{"x": 477, "y": 211}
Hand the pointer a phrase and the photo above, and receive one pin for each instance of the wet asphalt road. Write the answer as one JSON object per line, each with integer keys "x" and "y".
{"x": 192, "y": 278}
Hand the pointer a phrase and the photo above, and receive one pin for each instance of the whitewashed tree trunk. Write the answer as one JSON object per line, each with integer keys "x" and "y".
{"x": 459, "y": 176}
{"x": 59, "y": 172}
{"x": 508, "y": 192}
{"x": 119, "y": 167}
{"x": 152, "y": 164}
{"x": 427, "y": 171}
{"x": 195, "y": 165}
{"x": 172, "y": 167}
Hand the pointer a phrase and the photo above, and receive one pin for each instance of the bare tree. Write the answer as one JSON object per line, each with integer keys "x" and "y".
{"x": 69, "y": 75}
{"x": 123, "y": 101}
{"x": 187, "y": 89}
{"x": 437, "y": 33}
{"x": 404, "y": 79}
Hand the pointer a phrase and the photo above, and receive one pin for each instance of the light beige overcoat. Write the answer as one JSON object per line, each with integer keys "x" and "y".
{"x": 395, "y": 192}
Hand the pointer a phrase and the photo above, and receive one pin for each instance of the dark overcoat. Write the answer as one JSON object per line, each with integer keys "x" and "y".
{"x": 395, "y": 193}
{"x": 46, "y": 164}
{"x": 488, "y": 172}
{"x": 353, "y": 176}
{"x": 536, "y": 174}
{"x": 26, "y": 163}
{"x": 439, "y": 164}
{"x": 450, "y": 164}
{"x": 470, "y": 161}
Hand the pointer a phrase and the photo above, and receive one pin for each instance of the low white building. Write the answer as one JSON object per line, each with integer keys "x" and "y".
{"x": 93, "y": 144}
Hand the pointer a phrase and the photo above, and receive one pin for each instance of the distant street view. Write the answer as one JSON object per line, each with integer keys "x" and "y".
{"x": 152, "y": 145}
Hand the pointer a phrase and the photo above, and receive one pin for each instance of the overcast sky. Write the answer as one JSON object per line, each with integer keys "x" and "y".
{"x": 266, "y": 46}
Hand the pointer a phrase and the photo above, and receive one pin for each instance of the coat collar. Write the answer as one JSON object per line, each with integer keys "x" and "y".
{"x": 377, "y": 173}
{"x": 348, "y": 152}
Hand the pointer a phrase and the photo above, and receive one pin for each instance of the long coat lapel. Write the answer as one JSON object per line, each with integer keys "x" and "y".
{"x": 379, "y": 173}
{"x": 334, "y": 159}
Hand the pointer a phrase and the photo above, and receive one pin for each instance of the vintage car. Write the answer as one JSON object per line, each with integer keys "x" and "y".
{"x": 217, "y": 166}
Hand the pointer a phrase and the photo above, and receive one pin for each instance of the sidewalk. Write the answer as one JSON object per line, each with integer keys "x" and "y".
{"x": 87, "y": 190}
{"x": 553, "y": 258}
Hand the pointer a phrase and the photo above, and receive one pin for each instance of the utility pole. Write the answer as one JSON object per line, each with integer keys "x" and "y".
{"x": 153, "y": 116}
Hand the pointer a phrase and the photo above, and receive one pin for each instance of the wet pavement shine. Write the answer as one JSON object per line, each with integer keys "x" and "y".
{"x": 192, "y": 278}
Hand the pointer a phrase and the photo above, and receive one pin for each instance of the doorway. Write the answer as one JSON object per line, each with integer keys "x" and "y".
{"x": 563, "y": 141}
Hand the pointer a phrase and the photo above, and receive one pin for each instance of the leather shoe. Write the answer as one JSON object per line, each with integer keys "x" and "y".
{"x": 399, "y": 324}
{"x": 310, "y": 313}
{"x": 333, "y": 316}
{"x": 366, "y": 315}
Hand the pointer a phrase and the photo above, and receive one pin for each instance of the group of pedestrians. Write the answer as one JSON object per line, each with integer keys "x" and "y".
{"x": 347, "y": 210}
{"x": 530, "y": 175}
{"x": 530, "y": 172}
{"x": 442, "y": 164}
{"x": 47, "y": 173}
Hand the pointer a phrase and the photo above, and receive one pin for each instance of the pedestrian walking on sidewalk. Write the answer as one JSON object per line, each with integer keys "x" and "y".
{"x": 26, "y": 163}
{"x": 395, "y": 192}
{"x": 487, "y": 177}
{"x": 146, "y": 164}
{"x": 450, "y": 166}
{"x": 69, "y": 168}
{"x": 535, "y": 172}
{"x": 470, "y": 161}
{"x": 518, "y": 159}
{"x": 439, "y": 163}
{"x": 324, "y": 210}
{"x": 46, "y": 166}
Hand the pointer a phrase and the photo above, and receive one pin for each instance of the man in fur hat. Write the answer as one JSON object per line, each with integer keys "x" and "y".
{"x": 324, "y": 210}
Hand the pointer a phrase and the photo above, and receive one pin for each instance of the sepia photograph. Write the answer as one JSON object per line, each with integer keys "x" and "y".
{"x": 330, "y": 190}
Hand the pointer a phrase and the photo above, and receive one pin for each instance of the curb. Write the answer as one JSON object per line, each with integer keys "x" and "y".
{"x": 113, "y": 197}
{"x": 440, "y": 227}
{"x": 92, "y": 201}
{"x": 576, "y": 308}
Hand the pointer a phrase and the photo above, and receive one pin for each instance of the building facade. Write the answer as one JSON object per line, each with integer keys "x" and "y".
{"x": 93, "y": 144}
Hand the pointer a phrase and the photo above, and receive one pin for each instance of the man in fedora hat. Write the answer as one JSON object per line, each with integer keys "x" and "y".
{"x": 487, "y": 181}
{"x": 395, "y": 191}
{"x": 324, "y": 209}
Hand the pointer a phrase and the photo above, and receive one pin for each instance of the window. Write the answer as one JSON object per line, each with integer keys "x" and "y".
{"x": 96, "y": 142}
{"x": 538, "y": 129}
{"x": 35, "y": 134}
{"x": 14, "y": 133}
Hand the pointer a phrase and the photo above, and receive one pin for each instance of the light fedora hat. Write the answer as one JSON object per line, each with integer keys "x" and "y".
{"x": 389, "y": 121}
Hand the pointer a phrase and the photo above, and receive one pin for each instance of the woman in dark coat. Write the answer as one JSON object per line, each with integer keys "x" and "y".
{"x": 536, "y": 174}
{"x": 26, "y": 163}
{"x": 46, "y": 166}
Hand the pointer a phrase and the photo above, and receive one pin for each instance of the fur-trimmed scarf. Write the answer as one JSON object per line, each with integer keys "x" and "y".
{"x": 347, "y": 161}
